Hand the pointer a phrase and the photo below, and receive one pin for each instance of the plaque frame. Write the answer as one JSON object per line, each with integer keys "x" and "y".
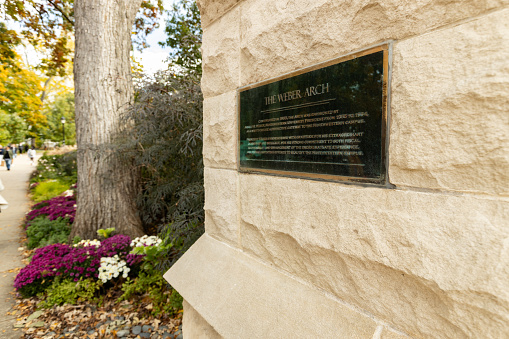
{"x": 386, "y": 48}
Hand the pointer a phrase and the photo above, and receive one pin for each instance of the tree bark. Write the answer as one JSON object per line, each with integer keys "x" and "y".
{"x": 103, "y": 89}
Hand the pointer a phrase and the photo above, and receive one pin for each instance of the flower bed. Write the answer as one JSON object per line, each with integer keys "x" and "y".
{"x": 57, "y": 207}
{"x": 96, "y": 273}
{"x": 74, "y": 262}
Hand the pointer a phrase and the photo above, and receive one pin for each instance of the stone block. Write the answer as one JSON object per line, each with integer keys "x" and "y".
{"x": 243, "y": 298}
{"x": 221, "y": 206}
{"x": 211, "y": 10}
{"x": 388, "y": 333}
{"x": 426, "y": 262}
{"x": 450, "y": 121}
{"x": 220, "y": 55}
{"x": 195, "y": 327}
{"x": 284, "y": 36}
{"x": 220, "y": 131}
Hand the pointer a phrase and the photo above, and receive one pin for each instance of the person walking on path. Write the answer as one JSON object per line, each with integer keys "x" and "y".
{"x": 3, "y": 202}
{"x": 8, "y": 157}
{"x": 14, "y": 150}
{"x": 15, "y": 192}
{"x": 31, "y": 155}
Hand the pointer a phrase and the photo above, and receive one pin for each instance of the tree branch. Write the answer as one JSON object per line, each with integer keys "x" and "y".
{"x": 44, "y": 92}
{"x": 62, "y": 12}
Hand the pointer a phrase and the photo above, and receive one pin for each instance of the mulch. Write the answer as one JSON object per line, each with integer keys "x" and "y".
{"x": 126, "y": 319}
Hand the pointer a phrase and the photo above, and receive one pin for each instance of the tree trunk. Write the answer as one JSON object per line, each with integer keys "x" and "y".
{"x": 103, "y": 89}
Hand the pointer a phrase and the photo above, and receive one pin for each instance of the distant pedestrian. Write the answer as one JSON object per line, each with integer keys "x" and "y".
{"x": 3, "y": 202}
{"x": 14, "y": 150}
{"x": 31, "y": 155}
{"x": 8, "y": 157}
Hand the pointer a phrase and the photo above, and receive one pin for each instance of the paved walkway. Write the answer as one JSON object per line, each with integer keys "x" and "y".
{"x": 16, "y": 185}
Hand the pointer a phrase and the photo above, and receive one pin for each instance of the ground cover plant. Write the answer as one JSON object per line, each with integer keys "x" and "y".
{"x": 47, "y": 189}
{"x": 44, "y": 231}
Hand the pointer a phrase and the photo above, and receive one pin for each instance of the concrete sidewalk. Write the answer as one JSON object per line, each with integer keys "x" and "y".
{"x": 16, "y": 188}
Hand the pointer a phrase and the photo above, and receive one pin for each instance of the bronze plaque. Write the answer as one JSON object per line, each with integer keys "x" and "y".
{"x": 327, "y": 122}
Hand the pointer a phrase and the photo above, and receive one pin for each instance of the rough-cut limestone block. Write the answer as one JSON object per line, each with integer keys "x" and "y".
{"x": 220, "y": 131}
{"x": 220, "y": 55}
{"x": 243, "y": 298}
{"x": 221, "y": 207}
{"x": 450, "y": 108}
{"x": 195, "y": 327}
{"x": 211, "y": 10}
{"x": 283, "y": 36}
{"x": 427, "y": 263}
{"x": 389, "y": 334}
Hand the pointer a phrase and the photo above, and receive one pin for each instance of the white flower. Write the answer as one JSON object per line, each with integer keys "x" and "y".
{"x": 112, "y": 267}
{"x": 87, "y": 243}
{"x": 68, "y": 193}
{"x": 146, "y": 241}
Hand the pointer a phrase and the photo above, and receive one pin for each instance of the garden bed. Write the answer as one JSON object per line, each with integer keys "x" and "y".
{"x": 109, "y": 287}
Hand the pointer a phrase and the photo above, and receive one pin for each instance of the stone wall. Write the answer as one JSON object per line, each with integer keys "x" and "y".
{"x": 295, "y": 258}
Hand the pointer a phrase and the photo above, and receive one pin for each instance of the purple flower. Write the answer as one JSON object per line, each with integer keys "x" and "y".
{"x": 75, "y": 262}
{"x": 64, "y": 207}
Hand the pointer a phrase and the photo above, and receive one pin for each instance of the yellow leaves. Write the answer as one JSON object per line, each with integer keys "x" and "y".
{"x": 20, "y": 104}
{"x": 19, "y": 90}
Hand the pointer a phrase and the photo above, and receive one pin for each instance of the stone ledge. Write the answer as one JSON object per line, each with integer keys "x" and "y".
{"x": 242, "y": 298}
{"x": 195, "y": 327}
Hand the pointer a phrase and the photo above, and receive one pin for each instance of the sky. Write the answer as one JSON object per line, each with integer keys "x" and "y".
{"x": 154, "y": 58}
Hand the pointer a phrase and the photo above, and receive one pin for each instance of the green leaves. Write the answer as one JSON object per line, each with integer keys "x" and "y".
{"x": 43, "y": 232}
{"x": 184, "y": 36}
{"x": 153, "y": 255}
{"x": 164, "y": 300}
{"x": 105, "y": 233}
{"x": 66, "y": 291}
{"x": 163, "y": 137}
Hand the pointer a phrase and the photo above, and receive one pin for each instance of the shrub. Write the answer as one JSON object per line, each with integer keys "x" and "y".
{"x": 164, "y": 139}
{"x": 48, "y": 189}
{"x": 62, "y": 167}
{"x": 43, "y": 232}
